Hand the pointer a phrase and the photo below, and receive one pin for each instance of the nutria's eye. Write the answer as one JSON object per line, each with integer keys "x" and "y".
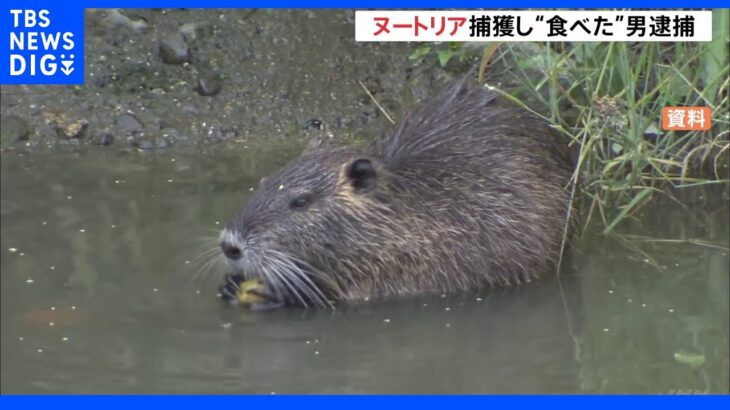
{"x": 301, "y": 202}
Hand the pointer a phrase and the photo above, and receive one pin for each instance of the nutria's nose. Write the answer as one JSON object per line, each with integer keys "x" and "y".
{"x": 231, "y": 251}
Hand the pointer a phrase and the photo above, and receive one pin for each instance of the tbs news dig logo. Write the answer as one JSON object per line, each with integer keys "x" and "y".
{"x": 43, "y": 48}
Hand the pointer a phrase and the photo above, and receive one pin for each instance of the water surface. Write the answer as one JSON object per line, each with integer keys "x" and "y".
{"x": 100, "y": 252}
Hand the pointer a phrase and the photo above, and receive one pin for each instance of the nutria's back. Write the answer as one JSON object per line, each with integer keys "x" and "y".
{"x": 466, "y": 192}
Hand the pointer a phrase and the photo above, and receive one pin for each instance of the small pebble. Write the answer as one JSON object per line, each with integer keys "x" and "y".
{"x": 71, "y": 129}
{"x": 173, "y": 49}
{"x": 209, "y": 84}
{"x": 129, "y": 123}
{"x": 386, "y": 320}
{"x": 128, "y": 18}
{"x": 15, "y": 129}
{"x": 106, "y": 139}
{"x": 144, "y": 144}
{"x": 12, "y": 250}
{"x": 313, "y": 123}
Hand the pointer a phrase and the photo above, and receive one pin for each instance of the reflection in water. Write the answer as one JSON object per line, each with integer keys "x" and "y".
{"x": 99, "y": 254}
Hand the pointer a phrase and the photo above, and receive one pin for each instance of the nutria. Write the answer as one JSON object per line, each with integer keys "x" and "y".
{"x": 466, "y": 192}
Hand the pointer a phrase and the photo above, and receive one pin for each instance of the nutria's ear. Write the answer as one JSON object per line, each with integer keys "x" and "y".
{"x": 362, "y": 175}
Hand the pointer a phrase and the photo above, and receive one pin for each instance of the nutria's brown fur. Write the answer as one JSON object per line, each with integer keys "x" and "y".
{"x": 466, "y": 192}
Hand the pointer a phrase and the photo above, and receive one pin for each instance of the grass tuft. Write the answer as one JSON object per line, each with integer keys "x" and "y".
{"x": 608, "y": 97}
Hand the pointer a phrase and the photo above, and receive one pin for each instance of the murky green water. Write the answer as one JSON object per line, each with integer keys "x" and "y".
{"x": 98, "y": 295}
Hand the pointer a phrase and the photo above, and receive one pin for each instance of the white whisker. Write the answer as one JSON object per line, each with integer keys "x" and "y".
{"x": 299, "y": 278}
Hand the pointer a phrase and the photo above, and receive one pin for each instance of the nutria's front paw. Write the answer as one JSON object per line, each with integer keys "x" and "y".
{"x": 252, "y": 293}
{"x": 231, "y": 287}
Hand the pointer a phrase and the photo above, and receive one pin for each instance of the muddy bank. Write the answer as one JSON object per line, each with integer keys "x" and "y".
{"x": 160, "y": 78}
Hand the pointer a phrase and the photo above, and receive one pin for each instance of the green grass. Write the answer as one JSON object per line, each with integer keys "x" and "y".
{"x": 608, "y": 98}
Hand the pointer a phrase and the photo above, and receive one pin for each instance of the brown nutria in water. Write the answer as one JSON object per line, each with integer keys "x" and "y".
{"x": 465, "y": 193}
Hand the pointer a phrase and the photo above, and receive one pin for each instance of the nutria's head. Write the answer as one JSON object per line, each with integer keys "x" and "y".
{"x": 304, "y": 220}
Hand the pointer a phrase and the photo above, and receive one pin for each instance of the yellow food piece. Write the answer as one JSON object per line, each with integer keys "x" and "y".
{"x": 247, "y": 292}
